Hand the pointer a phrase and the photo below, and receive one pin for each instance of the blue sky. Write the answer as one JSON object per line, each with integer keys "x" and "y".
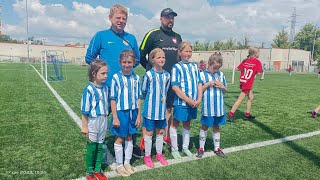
{"x": 71, "y": 21}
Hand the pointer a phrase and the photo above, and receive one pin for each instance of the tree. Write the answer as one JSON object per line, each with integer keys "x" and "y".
{"x": 281, "y": 40}
{"x": 245, "y": 43}
{"x": 218, "y": 45}
{"x": 7, "y": 38}
{"x": 308, "y": 35}
{"x": 230, "y": 44}
{"x": 197, "y": 46}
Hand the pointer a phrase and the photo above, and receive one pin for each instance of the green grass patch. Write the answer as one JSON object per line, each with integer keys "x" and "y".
{"x": 298, "y": 159}
{"x": 38, "y": 139}
{"x": 38, "y": 136}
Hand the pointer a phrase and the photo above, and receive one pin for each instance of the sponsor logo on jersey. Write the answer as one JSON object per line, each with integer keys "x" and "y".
{"x": 169, "y": 48}
{"x": 174, "y": 40}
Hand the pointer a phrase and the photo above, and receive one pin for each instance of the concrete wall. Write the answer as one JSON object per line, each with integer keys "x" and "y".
{"x": 11, "y": 50}
{"x": 275, "y": 59}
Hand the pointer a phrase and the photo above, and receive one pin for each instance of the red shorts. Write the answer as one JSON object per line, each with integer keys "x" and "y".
{"x": 246, "y": 91}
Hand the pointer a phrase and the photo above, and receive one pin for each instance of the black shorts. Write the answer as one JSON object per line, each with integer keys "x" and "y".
{"x": 170, "y": 97}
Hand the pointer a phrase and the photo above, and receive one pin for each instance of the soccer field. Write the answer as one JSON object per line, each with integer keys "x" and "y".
{"x": 40, "y": 141}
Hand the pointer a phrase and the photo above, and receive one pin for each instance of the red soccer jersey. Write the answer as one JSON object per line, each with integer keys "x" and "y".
{"x": 249, "y": 69}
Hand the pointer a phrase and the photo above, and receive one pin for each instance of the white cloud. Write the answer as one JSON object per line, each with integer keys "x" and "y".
{"x": 196, "y": 19}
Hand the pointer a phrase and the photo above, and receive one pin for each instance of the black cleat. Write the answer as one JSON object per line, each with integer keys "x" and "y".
{"x": 137, "y": 152}
{"x": 220, "y": 153}
{"x": 248, "y": 118}
{"x": 231, "y": 118}
{"x": 313, "y": 114}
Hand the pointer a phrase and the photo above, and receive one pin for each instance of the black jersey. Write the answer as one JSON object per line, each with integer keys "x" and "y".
{"x": 168, "y": 41}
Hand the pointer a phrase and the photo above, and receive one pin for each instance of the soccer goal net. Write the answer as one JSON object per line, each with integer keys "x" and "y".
{"x": 53, "y": 65}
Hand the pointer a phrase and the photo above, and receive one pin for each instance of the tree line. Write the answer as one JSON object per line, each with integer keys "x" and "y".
{"x": 306, "y": 39}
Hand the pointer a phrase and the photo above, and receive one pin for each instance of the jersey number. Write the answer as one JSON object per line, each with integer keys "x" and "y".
{"x": 247, "y": 74}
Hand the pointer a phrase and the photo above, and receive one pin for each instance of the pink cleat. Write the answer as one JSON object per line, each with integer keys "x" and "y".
{"x": 148, "y": 161}
{"x": 161, "y": 159}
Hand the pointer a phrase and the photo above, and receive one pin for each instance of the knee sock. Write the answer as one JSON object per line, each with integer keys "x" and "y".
{"x": 91, "y": 147}
{"x": 202, "y": 138}
{"x": 118, "y": 151}
{"x": 159, "y": 144}
{"x": 98, "y": 157}
{"x": 147, "y": 145}
{"x": 174, "y": 139}
{"x": 186, "y": 138}
{"x": 216, "y": 140}
{"x": 128, "y": 148}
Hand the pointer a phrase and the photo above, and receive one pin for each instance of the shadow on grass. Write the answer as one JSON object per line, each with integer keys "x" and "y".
{"x": 297, "y": 148}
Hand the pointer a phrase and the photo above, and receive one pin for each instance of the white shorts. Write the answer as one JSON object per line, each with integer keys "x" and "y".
{"x": 97, "y": 128}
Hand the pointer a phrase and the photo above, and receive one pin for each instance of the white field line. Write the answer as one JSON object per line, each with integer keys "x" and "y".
{"x": 226, "y": 151}
{"x": 73, "y": 115}
{"x": 183, "y": 159}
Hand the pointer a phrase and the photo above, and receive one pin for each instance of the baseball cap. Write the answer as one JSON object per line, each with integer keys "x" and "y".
{"x": 168, "y": 11}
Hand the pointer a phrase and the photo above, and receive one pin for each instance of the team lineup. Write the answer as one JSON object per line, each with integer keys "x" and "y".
{"x": 172, "y": 89}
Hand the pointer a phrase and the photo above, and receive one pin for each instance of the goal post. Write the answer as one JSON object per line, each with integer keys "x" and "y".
{"x": 53, "y": 65}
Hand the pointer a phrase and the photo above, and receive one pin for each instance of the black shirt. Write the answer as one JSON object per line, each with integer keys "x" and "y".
{"x": 168, "y": 41}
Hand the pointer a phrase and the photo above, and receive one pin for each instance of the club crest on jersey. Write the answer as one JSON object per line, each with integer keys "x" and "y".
{"x": 125, "y": 43}
{"x": 174, "y": 40}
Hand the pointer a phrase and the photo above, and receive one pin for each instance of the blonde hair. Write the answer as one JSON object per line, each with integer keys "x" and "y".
{"x": 252, "y": 52}
{"x": 215, "y": 57}
{"x": 181, "y": 47}
{"x": 118, "y": 8}
{"x": 94, "y": 67}
{"x": 127, "y": 53}
{"x": 153, "y": 53}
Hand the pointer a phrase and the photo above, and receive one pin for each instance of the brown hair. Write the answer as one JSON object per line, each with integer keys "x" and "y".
{"x": 215, "y": 57}
{"x": 252, "y": 52}
{"x": 118, "y": 8}
{"x": 94, "y": 67}
{"x": 153, "y": 53}
{"x": 127, "y": 53}
{"x": 181, "y": 47}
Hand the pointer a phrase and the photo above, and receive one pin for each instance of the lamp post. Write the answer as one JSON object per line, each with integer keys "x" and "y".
{"x": 314, "y": 41}
{"x": 28, "y": 53}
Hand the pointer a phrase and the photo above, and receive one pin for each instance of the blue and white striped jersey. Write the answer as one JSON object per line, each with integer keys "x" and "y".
{"x": 126, "y": 90}
{"x": 212, "y": 99}
{"x": 94, "y": 100}
{"x": 155, "y": 85}
{"x": 187, "y": 77}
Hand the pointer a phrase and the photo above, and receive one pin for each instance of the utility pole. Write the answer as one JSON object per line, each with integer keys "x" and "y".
{"x": 27, "y": 19}
{"x": 314, "y": 41}
{"x": 293, "y": 22}
{"x": 0, "y": 20}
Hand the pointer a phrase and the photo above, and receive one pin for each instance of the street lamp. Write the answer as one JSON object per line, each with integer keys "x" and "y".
{"x": 27, "y": 21}
{"x": 314, "y": 41}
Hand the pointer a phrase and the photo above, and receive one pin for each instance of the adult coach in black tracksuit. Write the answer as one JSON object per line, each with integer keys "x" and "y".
{"x": 168, "y": 41}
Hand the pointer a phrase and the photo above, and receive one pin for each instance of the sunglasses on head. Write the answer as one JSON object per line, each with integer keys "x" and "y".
{"x": 127, "y": 55}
